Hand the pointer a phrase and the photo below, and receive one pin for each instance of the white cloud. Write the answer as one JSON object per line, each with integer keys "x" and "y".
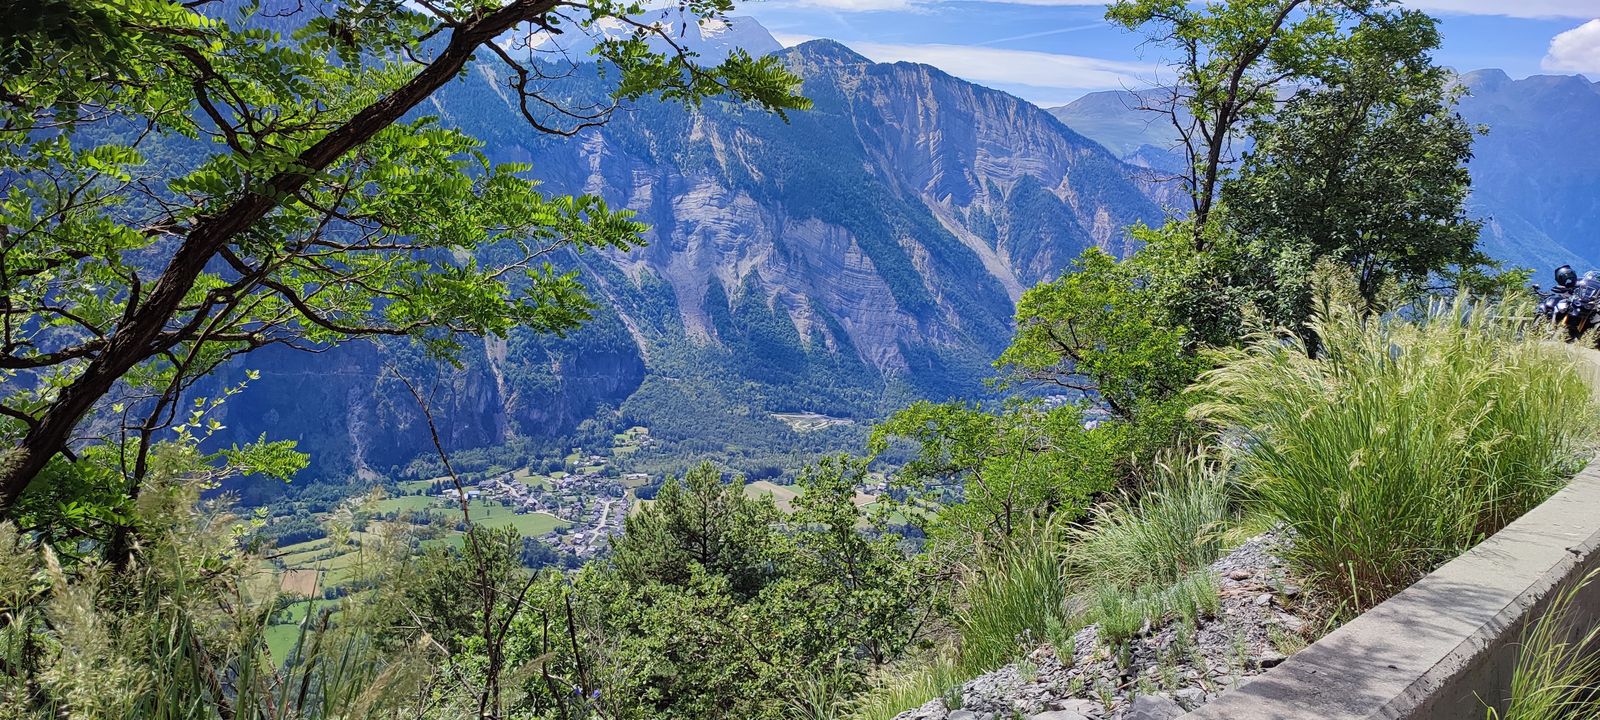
{"x": 1044, "y": 78}
{"x": 986, "y": 65}
{"x": 1511, "y": 8}
{"x": 791, "y": 39}
{"x": 1576, "y": 50}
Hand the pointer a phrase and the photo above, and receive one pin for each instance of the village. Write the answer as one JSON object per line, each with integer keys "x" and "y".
{"x": 573, "y": 510}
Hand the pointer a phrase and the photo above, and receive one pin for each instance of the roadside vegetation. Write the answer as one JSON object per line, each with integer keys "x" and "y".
{"x": 1392, "y": 443}
{"x": 1291, "y": 360}
{"x": 1557, "y": 671}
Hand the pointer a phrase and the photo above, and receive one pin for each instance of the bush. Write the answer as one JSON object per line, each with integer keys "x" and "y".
{"x": 1397, "y": 441}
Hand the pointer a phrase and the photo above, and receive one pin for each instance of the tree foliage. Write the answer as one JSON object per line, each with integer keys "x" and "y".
{"x": 991, "y": 475}
{"x": 1368, "y": 170}
{"x": 700, "y": 521}
{"x": 184, "y": 183}
{"x": 1232, "y": 59}
{"x": 1101, "y": 331}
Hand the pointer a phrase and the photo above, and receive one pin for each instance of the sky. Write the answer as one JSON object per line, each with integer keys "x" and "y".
{"x": 1053, "y": 51}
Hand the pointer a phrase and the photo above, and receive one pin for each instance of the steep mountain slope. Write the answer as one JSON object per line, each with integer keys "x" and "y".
{"x": 863, "y": 253}
{"x": 1535, "y": 175}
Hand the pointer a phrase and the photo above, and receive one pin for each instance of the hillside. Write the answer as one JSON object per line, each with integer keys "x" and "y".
{"x": 863, "y": 253}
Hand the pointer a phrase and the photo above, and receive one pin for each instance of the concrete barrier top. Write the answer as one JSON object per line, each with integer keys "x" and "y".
{"x": 1445, "y": 647}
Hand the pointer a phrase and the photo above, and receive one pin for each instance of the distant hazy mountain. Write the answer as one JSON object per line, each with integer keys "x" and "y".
{"x": 1118, "y": 120}
{"x": 1536, "y": 175}
{"x": 863, "y": 254}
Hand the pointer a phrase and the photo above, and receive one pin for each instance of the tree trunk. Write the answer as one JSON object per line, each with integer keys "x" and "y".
{"x": 142, "y": 335}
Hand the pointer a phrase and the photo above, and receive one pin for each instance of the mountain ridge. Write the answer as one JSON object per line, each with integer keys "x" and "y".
{"x": 857, "y": 256}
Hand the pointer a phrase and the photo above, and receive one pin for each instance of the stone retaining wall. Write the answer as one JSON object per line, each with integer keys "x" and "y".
{"x": 1444, "y": 648}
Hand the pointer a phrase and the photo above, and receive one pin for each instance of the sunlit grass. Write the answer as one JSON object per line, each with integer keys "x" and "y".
{"x": 1397, "y": 442}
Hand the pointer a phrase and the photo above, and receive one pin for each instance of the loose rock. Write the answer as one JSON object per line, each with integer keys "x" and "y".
{"x": 1168, "y": 668}
{"x": 1153, "y": 707}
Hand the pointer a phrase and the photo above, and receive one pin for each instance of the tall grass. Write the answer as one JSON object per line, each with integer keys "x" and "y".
{"x": 1175, "y": 528}
{"x": 1399, "y": 441}
{"x": 936, "y": 676}
{"x": 179, "y": 634}
{"x": 1010, "y": 597}
{"x": 1556, "y": 677}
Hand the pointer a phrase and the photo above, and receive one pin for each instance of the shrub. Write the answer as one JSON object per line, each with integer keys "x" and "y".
{"x": 1397, "y": 441}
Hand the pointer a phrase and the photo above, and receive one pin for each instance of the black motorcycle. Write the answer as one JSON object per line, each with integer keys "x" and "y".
{"x": 1574, "y": 302}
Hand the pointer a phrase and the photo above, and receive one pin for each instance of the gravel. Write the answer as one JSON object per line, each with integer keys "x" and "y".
{"x": 1154, "y": 677}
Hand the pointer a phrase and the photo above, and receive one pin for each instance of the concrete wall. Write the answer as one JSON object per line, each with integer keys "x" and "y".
{"x": 1444, "y": 648}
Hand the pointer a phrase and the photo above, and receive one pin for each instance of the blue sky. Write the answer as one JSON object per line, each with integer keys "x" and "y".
{"x": 1052, "y": 51}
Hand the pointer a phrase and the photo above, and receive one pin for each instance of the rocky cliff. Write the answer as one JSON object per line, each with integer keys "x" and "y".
{"x": 843, "y": 261}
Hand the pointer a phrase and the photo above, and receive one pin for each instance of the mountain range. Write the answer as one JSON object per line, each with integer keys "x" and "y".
{"x": 1535, "y": 170}
{"x": 843, "y": 262}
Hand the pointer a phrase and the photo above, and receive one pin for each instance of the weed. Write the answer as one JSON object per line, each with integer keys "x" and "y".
{"x": 1106, "y": 694}
{"x": 1027, "y": 670}
{"x": 1555, "y": 673}
{"x": 1284, "y": 641}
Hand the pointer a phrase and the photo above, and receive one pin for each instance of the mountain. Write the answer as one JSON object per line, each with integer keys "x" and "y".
{"x": 860, "y": 255}
{"x": 1535, "y": 174}
{"x": 1117, "y": 120}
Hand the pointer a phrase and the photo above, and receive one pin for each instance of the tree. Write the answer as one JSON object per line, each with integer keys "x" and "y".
{"x": 715, "y": 606}
{"x": 1369, "y": 169}
{"x": 849, "y": 587}
{"x": 699, "y": 521}
{"x": 1232, "y": 59}
{"x": 184, "y": 183}
{"x": 992, "y": 475}
{"x": 1099, "y": 331}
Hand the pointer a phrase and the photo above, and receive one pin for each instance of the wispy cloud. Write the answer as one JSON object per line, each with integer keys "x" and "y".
{"x": 1511, "y": 8}
{"x": 1044, "y": 33}
{"x": 1038, "y": 76}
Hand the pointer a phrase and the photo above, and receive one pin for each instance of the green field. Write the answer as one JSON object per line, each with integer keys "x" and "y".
{"x": 281, "y": 640}
{"x": 530, "y": 478}
{"x": 414, "y": 486}
{"x": 494, "y": 515}
{"x": 404, "y": 503}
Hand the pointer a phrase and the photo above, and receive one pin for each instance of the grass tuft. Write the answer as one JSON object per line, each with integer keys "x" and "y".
{"x": 1399, "y": 441}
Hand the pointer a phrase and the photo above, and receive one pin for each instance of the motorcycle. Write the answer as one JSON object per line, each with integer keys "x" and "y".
{"x": 1574, "y": 302}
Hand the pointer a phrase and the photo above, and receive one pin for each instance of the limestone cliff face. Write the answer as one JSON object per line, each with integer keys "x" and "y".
{"x": 907, "y": 209}
{"x": 877, "y": 241}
